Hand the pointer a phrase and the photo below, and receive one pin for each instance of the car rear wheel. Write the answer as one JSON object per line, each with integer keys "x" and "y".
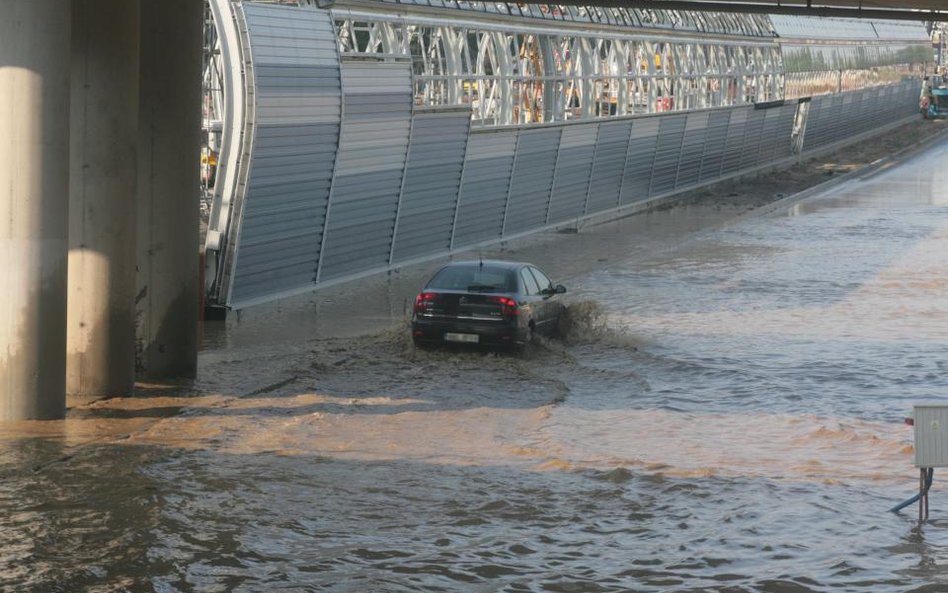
{"x": 527, "y": 340}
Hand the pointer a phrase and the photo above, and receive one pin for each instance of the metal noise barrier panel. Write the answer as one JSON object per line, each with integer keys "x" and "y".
{"x": 347, "y": 176}
{"x": 835, "y": 117}
{"x": 277, "y": 236}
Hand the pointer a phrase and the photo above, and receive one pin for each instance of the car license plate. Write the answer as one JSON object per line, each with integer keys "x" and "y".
{"x": 467, "y": 338}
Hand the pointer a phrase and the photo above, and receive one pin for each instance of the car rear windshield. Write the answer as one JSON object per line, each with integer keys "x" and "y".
{"x": 475, "y": 278}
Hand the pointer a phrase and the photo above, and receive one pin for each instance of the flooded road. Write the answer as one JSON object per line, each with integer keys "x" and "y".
{"x": 725, "y": 413}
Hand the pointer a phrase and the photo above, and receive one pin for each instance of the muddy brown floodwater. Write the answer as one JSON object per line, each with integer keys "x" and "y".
{"x": 723, "y": 413}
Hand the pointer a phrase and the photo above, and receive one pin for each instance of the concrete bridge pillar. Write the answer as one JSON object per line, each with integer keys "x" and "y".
{"x": 169, "y": 177}
{"x": 34, "y": 189}
{"x": 103, "y": 177}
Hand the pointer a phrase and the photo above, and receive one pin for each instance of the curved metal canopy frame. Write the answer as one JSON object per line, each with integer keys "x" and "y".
{"x": 914, "y": 10}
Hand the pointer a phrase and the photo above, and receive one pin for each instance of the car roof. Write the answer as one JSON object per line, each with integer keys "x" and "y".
{"x": 494, "y": 263}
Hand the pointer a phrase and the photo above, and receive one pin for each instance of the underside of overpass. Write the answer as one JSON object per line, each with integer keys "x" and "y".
{"x": 364, "y": 136}
{"x": 925, "y": 10}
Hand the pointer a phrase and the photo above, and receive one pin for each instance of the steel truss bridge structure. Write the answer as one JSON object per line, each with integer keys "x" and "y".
{"x": 365, "y": 135}
{"x": 918, "y": 10}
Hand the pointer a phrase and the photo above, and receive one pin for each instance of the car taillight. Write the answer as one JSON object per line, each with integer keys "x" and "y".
{"x": 508, "y": 306}
{"x": 423, "y": 301}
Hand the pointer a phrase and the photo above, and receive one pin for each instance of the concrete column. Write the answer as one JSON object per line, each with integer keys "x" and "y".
{"x": 103, "y": 175}
{"x": 34, "y": 189}
{"x": 168, "y": 187}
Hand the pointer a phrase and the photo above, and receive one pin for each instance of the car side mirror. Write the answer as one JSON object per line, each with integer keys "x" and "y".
{"x": 560, "y": 289}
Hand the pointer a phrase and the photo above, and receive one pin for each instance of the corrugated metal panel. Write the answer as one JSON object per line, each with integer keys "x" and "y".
{"x": 753, "y": 129}
{"x": 856, "y": 107}
{"x": 734, "y": 142}
{"x": 667, "y": 153}
{"x": 876, "y": 107}
{"x": 885, "y": 103}
{"x": 372, "y": 151}
{"x": 907, "y": 104}
{"x": 573, "y": 171}
{"x": 832, "y": 107}
{"x": 873, "y": 109}
{"x": 432, "y": 180}
{"x": 834, "y": 120}
{"x": 713, "y": 157}
{"x": 836, "y": 117}
{"x": 827, "y": 126}
{"x": 902, "y": 101}
{"x": 692, "y": 149}
{"x": 291, "y": 94}
{"x": 612, "y": 147}
{"x": 532, "y": 179}
{"x": 834, "y": 127}
{"x": 485, "y": 184}
{"x": 297, "y": 107}
{"x": 814, "y": 124}
{"x": 906, "y": 30}
{"x": 847, "y": 114}
{"x": 639, "y": 160}
{"x": 811, "y": 27}
{"x": 788, "y": 118}
{"x": 778, "y": 129}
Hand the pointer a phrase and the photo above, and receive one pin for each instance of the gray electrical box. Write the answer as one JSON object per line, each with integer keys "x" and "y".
{"x": 931, "y": 435}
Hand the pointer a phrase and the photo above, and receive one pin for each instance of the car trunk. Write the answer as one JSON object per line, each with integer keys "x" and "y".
{"x": 466, "y": 306}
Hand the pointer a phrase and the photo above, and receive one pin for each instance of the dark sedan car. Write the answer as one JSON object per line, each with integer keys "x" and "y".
{"x": 495, "y": 303}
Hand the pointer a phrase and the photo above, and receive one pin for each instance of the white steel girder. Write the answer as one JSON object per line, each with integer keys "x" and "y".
{"x": 515, "y": 77}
